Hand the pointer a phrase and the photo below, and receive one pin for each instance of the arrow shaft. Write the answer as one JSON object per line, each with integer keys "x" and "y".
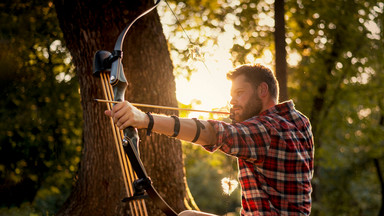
{"x": 165, "y": 107}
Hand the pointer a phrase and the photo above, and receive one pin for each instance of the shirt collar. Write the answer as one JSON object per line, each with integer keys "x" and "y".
{"x": 280, "y": 108}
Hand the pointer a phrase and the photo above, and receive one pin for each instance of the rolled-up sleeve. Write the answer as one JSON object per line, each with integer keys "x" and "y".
{"x": 247, "y": 140}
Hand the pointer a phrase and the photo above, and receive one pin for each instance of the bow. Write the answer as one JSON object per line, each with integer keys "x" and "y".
{"x": 127, "y": 141}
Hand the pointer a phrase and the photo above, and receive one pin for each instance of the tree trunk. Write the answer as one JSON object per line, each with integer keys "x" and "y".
{"x": 378, "y": 169}
{"x": 381, "y": 181}
{"x": 280, "y": 52}
{"x": 89, "y": 26}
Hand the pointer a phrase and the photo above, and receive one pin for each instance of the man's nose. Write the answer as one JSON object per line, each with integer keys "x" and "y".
{"x": 233, "y": 101}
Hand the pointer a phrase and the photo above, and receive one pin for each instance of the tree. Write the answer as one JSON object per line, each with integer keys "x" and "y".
{"x": 336, "y": 45}
{"x": 89, "y": 26}
{"x": 280, "y": 52}
{"x": 40, "y": 122}
{"x": 334, "y": 73}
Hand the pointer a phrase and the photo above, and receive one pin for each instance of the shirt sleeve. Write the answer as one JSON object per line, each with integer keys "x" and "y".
{"x": 249, "y": 140}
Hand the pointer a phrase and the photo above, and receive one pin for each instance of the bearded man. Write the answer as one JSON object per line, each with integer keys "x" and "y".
{"x": 272, "y": 142}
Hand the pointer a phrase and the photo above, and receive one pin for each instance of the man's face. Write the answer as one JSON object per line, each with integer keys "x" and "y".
{"x": 245, "y": 100}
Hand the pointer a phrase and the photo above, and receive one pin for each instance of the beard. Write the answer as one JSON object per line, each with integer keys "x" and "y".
{"x": 252, "y": 108}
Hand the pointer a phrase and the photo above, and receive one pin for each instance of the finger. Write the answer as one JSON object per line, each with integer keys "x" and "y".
{"x": 125, "y": 110}
{"x": 108, "y": 113}
{"x": 124, "y": 120}
{"x": 125, "y": 125}
{"x": 120, "y": 106}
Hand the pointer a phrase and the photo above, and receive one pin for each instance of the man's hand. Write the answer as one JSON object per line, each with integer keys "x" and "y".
{"x": 125, "y": 114}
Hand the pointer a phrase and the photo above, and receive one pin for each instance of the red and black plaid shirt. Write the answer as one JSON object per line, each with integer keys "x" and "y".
{"x": 275, "y": 153}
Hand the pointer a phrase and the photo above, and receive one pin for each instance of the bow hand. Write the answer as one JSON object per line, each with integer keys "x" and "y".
{"x": 125, "y": 115}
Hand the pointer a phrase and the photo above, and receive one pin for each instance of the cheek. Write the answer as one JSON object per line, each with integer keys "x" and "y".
{"x": 243, "y": 99}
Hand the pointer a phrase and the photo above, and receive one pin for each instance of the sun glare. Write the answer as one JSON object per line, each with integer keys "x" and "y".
{"x": 211, "y": 87}
{"x": 208, "y": 83}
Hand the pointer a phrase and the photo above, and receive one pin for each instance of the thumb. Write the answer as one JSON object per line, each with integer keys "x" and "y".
{"x": 108, "y": 113}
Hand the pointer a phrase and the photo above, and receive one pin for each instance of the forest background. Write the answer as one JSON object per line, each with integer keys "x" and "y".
{"x": 335, "y": 74}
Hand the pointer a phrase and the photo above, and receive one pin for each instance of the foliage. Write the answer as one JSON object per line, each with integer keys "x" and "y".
{"x": 195, "y": 24}
{"x": 339, "y": 76}
{"x": 335, "y": 77}
{"x": 204, "y": 173}
{"x": 335, "y": 73}
{"x": 40, "y": 130}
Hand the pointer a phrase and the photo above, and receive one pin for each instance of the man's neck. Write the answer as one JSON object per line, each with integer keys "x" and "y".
{"x": 268, "y": 104}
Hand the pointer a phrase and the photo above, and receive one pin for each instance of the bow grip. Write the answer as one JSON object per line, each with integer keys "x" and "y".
{"x": 131, "y": 137}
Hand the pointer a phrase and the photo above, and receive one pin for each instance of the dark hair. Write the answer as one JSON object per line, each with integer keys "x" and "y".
{"x": 256, "y": 74}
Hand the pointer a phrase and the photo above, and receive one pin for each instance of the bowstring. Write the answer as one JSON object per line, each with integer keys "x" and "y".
{"x": 227, "y": 202}
{"x": 137, "y": 207}
{"x": 194, "y": 46}
{"x": 127, "y": 171}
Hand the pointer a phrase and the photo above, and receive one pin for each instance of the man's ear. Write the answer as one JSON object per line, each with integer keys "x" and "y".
{"x": 263, "y": 90}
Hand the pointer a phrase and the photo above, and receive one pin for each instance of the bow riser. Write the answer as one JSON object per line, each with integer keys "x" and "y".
{"x": 105, "y": 61}
{"x": 102, "y": 63}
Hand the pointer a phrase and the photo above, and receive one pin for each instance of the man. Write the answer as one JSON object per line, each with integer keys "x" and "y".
{"x": 273, "y": 142}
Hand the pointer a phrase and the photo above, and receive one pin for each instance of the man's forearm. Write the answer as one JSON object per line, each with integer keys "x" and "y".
{"x": 124, "y": 115}
{"x": 188, "y": 129}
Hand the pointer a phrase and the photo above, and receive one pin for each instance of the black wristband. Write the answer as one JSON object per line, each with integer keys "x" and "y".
{"x": 176, "y": 128}
{"x": 150, "y": 124}
{"x": 198, "y": 126}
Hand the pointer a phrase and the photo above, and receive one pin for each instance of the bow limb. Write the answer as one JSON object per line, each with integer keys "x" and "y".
{"x": 118, "y": 80}
{"x": 128, "y": 139}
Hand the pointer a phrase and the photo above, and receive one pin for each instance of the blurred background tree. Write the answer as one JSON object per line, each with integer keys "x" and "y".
{"x": 40, "y": 130}
{"x": 335, "y": 74}
{"x": 335, "y": 67}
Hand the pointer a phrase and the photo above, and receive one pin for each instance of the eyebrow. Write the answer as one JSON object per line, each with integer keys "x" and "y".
{"x": 236, "y": 90}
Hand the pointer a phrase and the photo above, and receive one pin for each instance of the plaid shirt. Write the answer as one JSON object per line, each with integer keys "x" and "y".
{"x": 275, "y": 154}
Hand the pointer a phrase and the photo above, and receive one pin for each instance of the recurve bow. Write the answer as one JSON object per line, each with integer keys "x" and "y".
{"x": 114, "y": 87}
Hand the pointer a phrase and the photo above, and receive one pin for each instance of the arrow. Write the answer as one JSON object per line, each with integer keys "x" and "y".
{"x": 164, "y": 107}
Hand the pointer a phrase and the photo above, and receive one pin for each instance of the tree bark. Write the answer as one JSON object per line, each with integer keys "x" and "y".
{"x": 281, "y": 53}
{"x": 89, "y": 26}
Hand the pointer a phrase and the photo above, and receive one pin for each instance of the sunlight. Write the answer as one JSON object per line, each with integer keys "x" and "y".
{"x": 208, "y": 83}
{"x": 208, "y": 88}
{"x": 293, "y": 58}
{"x": 211, "y": 87}
{"x": 371, "y": 25}
{"x": 266, "y": 20}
